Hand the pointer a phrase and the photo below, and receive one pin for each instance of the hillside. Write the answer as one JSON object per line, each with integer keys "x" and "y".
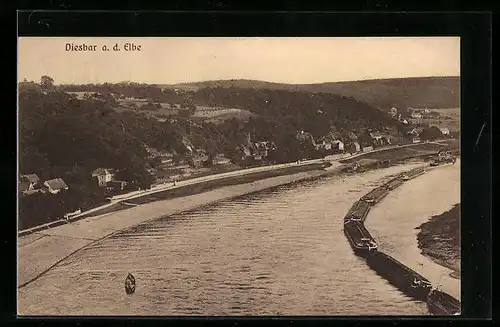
{"x": 418, "y": 92}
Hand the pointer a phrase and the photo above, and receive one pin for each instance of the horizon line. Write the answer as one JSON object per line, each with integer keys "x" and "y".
{"x": 255, "y": 80}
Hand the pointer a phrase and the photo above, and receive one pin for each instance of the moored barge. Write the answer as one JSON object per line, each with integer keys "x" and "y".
{"x": 443, "y": 304}
{"x": 361, "y": 241}
{"x": 375, "y": 195}
{"x": 358, "y": 211}
{"x": 405, "y": 279}
{"x": 394, "y": 183}
{"x": 413, "y": 173}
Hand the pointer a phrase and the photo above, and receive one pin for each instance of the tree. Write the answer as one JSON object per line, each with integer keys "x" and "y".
{"x": 47, "y": 82}
{"x": 430, "y": 134}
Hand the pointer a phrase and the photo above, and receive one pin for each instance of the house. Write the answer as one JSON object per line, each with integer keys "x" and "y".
{"x": 261, "y": 149}
{"x": 199, "y": 160}
{"x": 393, "y": 112}
{"x": 367, "y": 148}
{"x": 376, "y": 136}
{"x": 444, "y": 131}
{"x": 55, "y": 185}
{"x": 415, "y": 131}
{"x": 29, "y": 183}
{"x": 416, "y": 139}
{"x": 386, "y": 139}
{"x": 416, "y": 115}
{"x": 103, "y": 175}
{"x": 219, "y": 159}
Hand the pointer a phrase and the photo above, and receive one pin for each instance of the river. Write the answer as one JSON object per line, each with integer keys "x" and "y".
{"x": 277, "y": 252}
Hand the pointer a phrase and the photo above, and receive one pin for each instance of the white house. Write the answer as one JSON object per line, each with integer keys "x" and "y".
{"x": 376, "y": 136}
{"x": 28, "y": 183}
{"x": 220, "y": 160}
{"x": 368, "y": 148}
{"x": 444, "y": 131}
{"x": 103, "y": 175}
{"x": 393, "y": 112}
{"x": 55, "y": 185}
{"x": 416, "y": 115}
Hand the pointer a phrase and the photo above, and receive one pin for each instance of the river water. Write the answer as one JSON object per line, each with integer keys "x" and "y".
{"x": 277, "y": 252}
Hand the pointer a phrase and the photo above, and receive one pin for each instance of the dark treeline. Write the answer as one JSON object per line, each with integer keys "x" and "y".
{"x": 131, "y": 90}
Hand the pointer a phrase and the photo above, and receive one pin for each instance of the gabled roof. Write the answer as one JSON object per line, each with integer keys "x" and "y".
{"x": 102, "y": 171}
{"x": 32, "y": 178}
{"x": 56, "y": 184}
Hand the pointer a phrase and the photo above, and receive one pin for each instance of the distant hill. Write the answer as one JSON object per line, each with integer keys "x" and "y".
{"x": 415, "y": 92}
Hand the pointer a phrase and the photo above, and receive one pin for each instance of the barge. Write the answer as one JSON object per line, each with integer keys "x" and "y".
{"x": 394, "y": 183}
{"x": 443, "y": 304}
{"x": 361, "y": 241}
{"x": 413, "y": 173}
{"x": 358, "y": 211}
{"x": 375, "y": 195}
{"x": 405, "y": 279}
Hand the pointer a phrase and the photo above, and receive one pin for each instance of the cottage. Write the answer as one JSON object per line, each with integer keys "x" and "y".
{"x": 416, "y": 115}
{"x": 367, "y": 148}
{"x": 28, "y": 183}
{"x": 103, "y": 175}
{"x": 376, "y": 136}
{"x": 199, "y": 160}
{"x": 415, "y": 131}
{"x": 55, "y": 185}
{"x": 444, "y": 131}
{"x": 219, "y": 159}
{"x": 416, "y": 139}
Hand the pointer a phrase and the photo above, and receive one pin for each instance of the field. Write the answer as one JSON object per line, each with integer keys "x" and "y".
{"x": 202, "y": 113}
{"x": 450, "y": 118}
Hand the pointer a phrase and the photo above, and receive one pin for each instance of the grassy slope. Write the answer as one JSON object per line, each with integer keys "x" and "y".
{"x": 417, "y": 92}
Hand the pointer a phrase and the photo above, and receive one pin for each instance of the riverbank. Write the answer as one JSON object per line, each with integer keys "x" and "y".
{"x": 393, "y": 221}
{"x": 439, "y": 239}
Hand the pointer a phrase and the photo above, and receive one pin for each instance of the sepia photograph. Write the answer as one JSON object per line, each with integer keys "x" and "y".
{"x": 238, "y": 176}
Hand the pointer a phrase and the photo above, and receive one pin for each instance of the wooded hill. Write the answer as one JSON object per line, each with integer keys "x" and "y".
{"x": 414, "y": 92}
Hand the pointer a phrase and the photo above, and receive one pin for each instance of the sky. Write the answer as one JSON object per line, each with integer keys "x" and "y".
{"x": 283, "y": 60}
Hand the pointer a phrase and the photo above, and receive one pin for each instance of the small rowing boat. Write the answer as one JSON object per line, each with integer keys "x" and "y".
{"x": 130, "y": 284}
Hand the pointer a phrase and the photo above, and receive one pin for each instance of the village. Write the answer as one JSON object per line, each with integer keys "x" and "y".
{"x": 168, "y": 167}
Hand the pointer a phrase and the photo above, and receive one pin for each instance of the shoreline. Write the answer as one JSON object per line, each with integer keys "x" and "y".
{"x": 395, "y": 230}
{"x": 439, "y": 240}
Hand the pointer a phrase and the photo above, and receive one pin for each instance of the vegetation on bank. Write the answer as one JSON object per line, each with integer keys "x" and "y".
{"x": 439, "y": 239}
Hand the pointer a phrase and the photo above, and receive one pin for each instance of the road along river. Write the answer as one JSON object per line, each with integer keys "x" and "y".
{"x": 276, "y": 252}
